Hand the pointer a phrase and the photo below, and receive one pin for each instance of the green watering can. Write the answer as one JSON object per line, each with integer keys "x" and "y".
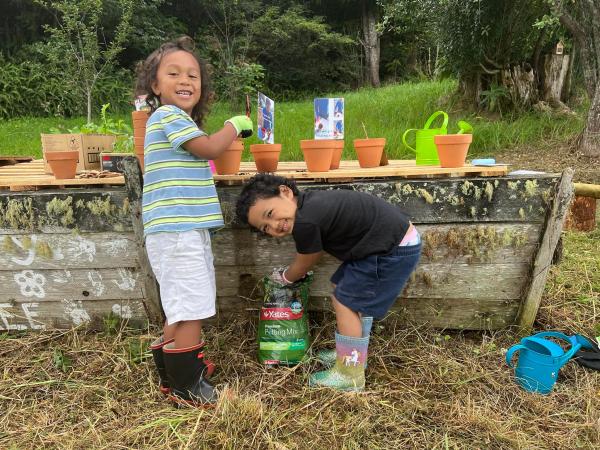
{"x": 426, "y": 150}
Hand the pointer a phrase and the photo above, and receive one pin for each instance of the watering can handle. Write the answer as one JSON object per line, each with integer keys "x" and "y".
{"x": 575, "y": 346}
{"x": 433, "y": 117}
{"x": 404, "y": 139}
{"x": 511, "y": 351}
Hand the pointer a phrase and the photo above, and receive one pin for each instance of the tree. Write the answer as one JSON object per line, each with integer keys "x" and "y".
{"x": 301, "y": 54}
{"x": 78, "y": 43}
{"x": 582, "y": 19}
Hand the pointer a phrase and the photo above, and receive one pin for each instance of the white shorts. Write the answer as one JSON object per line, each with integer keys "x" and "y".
{"x": 183, "y": 266}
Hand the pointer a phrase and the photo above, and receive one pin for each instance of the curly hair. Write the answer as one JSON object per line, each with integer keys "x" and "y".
{"x": 261, "y": 186}
{"x": 146, "y": 75}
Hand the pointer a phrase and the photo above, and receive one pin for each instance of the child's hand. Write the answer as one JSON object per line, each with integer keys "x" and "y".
{"x": 242, "y": 124}
{"x": 277, "y": 276}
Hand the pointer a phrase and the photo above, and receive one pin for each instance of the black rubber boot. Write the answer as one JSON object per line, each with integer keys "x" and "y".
{"x": 186, "y": 372}
{"x": 159, "y": 362}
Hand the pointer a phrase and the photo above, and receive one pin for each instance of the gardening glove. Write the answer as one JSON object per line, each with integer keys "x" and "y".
{"x": 278, "y": 277}
{"x": 242, "y": 124}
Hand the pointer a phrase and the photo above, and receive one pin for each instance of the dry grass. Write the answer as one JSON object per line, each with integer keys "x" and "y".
{"x": 426, "y": 388}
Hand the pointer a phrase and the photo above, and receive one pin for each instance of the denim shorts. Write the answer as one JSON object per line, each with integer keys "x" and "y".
{"x": 371, "y": 285}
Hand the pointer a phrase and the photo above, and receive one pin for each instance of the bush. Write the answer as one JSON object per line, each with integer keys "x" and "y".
{"x": 32, "y": 88}
{"x": 301, "y": 55}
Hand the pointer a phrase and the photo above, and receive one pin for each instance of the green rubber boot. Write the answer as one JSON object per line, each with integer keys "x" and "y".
{"x": 328, "y": 356}
{"x": 348, "y": 373}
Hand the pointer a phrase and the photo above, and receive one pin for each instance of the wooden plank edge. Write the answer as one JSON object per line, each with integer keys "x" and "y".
{"x": 543, "y": 259}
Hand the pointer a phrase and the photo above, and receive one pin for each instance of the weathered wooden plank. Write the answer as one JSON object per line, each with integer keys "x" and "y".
{"x": 68, "y": 251}
{"x": 500, "y": 243}
{"x": 67, "y": 313}
{"x": 452, "y": 313}
{"x": 85, "y": 210}
{"x": 434, "y": 280}
{"x": 543, "y": 259}
{"x": 134, "y": 182}
{"x": 351, "y": 169}
{"x": 505, "y": 199}
{"x": 76, "y": 284}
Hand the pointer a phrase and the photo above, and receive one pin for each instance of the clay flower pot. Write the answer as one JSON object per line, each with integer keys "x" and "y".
{"x": 139, "y": 119}
{"x": 317, "y": 153}
{"x": 266, "y": 156}
{"x": 369, "y": 151}
{"x": 337, "y": 154}
{"x": 63, "y": 164}
{"x": 229, "y": 161}
{"x": 452, "y": 149}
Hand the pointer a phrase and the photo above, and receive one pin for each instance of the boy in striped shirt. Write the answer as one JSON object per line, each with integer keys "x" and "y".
{"x": 179, "y": 207}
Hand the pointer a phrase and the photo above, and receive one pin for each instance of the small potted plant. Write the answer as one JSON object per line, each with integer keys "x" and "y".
{"x": 369, "y": 150}
{"x": 88, "y": 140}
{"x": 266, "y": 154}
{"x": 453, "y": 148}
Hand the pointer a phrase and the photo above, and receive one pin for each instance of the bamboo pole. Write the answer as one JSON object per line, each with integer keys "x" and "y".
{"x": 587, "y": 190}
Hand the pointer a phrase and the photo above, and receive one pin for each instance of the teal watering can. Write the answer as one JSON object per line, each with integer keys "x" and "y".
{"x": 540, "y": 360}
{"x": 425, "y": 148}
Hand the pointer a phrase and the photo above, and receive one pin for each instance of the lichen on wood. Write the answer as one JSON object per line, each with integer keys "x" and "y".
{"x": 18, "y": 214}
{"x": 61, "y": 210}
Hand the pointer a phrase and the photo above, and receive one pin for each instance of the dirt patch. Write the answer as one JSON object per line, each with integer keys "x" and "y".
{"x": 553, "y": 157}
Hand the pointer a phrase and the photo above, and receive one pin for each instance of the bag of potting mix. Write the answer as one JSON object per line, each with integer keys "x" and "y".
{"x": 283, "y": 336}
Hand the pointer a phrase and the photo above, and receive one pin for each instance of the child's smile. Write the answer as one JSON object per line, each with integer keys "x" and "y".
{"x": 178, "y": 80}
{"x": 274, "y": 216}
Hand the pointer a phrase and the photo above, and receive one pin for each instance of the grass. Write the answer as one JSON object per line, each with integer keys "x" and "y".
{"x": 434, "y": 389}
{"x": 386, "y": 112}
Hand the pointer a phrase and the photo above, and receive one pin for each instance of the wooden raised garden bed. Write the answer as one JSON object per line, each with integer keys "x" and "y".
{"x": 75, "y": 255}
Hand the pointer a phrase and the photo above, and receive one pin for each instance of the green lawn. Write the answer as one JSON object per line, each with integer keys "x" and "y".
{"x": 385, "y": 112}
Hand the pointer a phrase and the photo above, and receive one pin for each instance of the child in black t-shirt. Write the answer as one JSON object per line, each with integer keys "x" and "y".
{"x": 378, "y": 246}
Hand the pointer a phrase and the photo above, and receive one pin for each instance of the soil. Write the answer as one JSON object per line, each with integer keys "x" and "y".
{"x": 553, "y": 158}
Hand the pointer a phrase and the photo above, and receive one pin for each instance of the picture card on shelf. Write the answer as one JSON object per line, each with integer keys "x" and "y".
{"x": 329, "y": 118}
{"x": 266, "y": 119}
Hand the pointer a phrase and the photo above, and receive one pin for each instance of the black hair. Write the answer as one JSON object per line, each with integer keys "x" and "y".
{"x": 261, "y": 186}
{"x": 146, "y": 75}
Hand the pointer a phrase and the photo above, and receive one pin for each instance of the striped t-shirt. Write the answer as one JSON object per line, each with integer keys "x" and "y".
{"x": 179, "y": 190}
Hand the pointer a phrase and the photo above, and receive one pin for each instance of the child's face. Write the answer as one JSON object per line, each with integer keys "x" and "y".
{"x": 274, "y": 216}
{"x": 178, "y": 80}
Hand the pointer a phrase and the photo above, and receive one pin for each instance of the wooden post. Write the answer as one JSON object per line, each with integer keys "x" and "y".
{"x": 134, "y": 182}
{"x": 543, "y": 258}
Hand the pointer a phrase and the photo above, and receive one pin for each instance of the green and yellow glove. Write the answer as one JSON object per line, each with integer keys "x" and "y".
{"x": 242, "y": 124}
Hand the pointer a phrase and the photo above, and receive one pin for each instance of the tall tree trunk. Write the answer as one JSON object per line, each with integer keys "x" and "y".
{"x": 586, "y": 34}
{"x": 371, "y": 41}
{"x": 590, "y": 142}
{"x": 470, "y": 88}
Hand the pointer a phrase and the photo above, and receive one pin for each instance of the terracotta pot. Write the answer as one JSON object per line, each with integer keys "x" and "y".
{"x": 317, "y": 153}
{"x": 139, "y": 152}
{"x": 369, "y": 151}
{"x": 337, "y": 154}
{"x": 63, "y": 164}
{"x": 452, "y": 148}
{"x": 229, "y": 161}
{"x": 139, "y": 118}
{"x": 266, "y": 156}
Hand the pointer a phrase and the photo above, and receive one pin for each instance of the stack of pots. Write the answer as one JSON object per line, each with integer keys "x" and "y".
{"x": 139, "y": 119}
